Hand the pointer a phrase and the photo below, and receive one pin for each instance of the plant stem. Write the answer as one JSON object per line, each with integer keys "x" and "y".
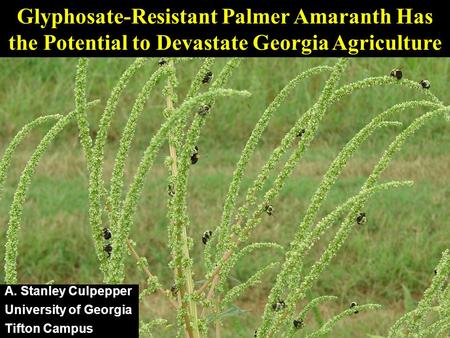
{"x": 190, "y": 319}
{"x": 225, "y": 257}
{"x": 210, "y": 294}
{"x": 218, "y": 323}
{"x": 148, "y": 273}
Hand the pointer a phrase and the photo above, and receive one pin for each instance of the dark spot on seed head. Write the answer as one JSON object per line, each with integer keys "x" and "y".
{"x": 269, "y": 209}
{"x": 208, "y": 77}
{"x": 106, "y": 233}
{"x": 195, "y": 156}
{"x": 397, "y": 73}
{"x": 298, "y": 323}
{"x": 206, "y": 236}
{"x": 174, "y": 290}
{"x": 279, "y": 305}
{"x": 171, "y": 190}
{"x": 204, "y": 110}
{"x": 108, "y": 249}
{"x": 425, "y": 84}
{"x": 361, "y": 218}
{"x": 301, "y": 132}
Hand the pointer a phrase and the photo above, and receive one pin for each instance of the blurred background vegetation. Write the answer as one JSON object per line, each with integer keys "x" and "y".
{"x": 389, "y": 260}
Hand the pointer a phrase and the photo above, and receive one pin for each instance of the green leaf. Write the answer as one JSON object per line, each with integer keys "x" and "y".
{"x": 233, "y": 310}
{"x": 408, "y": 302}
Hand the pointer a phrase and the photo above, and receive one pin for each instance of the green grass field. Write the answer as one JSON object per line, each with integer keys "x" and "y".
{"x": 389, "y": 260}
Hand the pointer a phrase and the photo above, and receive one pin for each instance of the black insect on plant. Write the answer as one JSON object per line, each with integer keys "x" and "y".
{"x": 208, "y": 77}
{"x": 352, "y": 305}
{"x": 279, "y": 305}
{"x": 298, "y": 323}
{"x": 174, "y": 290}
{"x": 269, "y": 209}
{"x": 301, "y": 132}
{"x": 195, "y": 156}
{"x": 162, "y": 61}
{"x": 171, "y": 190}
{"x": 204, "y": 110}
{"x": 425, "y": 84}
{"x": 256, "y": 333}
{"x": 206, "y": 236}
{"x": 108, "y": 249}
{"x": 361, "y": 218}
{"x": 106, "y": 233}
{"x": 397, "y": 73}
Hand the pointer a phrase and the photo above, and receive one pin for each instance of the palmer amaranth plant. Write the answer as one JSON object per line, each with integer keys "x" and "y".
{"x": 203, "y": 303}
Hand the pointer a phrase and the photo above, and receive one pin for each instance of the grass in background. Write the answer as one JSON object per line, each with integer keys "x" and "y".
{"x": 388, "y": 260}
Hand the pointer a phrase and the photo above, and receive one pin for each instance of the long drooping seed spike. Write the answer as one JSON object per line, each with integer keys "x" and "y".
{"x": 226, "y": 73}
{"x": 81, "y": 109}
{"x": 194, "y": 89}
{"x": 96, "y": 183}
{"x": 18, "y": 138}
{"x": 230, "y": 263}
{"x": 381, "y": 81}
{"x": 125, "y": 144}
{"x": 16, "y": 209}
{"x": 299, "y": 250}
{"x": 197, "y": 81}
{"x": 398, "y": 143}
{"x": 313, "y": 303}
{"x": 300, "y": 318}
{"x": 237, "y": 291}
{"x": 328, "y": 326}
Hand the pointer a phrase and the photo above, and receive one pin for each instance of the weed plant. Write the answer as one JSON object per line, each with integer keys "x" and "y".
{"x": 203, "y": 303}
